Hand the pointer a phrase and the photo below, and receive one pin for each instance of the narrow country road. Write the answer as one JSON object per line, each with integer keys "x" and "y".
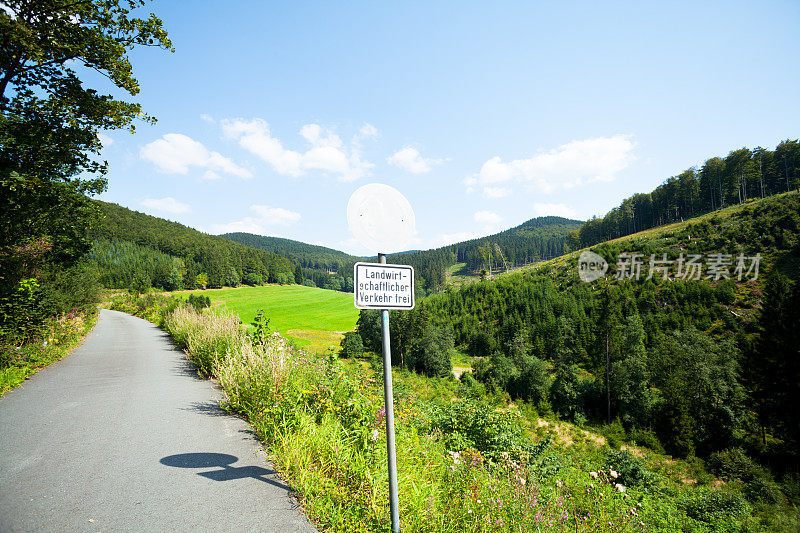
{"x": 122, "y": 436}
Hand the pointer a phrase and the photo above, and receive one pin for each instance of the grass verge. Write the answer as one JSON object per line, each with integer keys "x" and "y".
{"x": 57, "y": 338}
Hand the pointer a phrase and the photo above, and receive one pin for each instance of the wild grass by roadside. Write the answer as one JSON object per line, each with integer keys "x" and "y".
{"x": 58, "y": 336}
{"x": 466, "y": 462}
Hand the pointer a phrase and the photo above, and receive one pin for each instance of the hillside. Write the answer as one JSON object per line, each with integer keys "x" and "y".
{"x": 534, "y": 240}
{"x": 691, "y": 366}
{"x": 176, "y": 254}
{"x": 538, "y": 238}
{"x": 308, "y": 255}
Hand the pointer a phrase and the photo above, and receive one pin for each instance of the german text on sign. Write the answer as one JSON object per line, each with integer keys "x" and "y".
{"x": 383, "y": 286}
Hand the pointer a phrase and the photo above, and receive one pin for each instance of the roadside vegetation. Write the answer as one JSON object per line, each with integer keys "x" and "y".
{"x": 469, "y": 459}
{"x": 21, "y": 357}
{"x": 315, "y": 319}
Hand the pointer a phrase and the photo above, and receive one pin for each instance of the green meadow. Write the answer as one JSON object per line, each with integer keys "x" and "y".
{"x": 313, "y": 318}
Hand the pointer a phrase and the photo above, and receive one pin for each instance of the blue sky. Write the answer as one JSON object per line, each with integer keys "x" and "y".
{"x": 270, "y": 115}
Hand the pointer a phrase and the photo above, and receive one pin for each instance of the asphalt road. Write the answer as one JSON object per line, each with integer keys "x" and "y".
{"x": 122, "y": 436}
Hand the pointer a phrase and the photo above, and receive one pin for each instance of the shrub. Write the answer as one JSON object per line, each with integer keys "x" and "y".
{"x": 632, "y": 471}
{"x": 309, "y": 283}
{"x": 260, "y": 331}
{"x": 473, "y": 424}
{"x": 198, "y": 301}
{"x": 709, "y": 505}
{"x": 252, "y": 279}
{"x": 734, "y": 464}
{"x": 645, "y": 437}
{"x": 352, "y": 346}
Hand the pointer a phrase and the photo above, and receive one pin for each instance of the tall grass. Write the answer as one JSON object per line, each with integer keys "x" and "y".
{"x": 208, "y": 337}
{"x": 463, "y": 464}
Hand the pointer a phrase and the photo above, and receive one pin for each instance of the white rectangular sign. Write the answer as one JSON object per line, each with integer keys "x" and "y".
{"x": 383, "y": 286}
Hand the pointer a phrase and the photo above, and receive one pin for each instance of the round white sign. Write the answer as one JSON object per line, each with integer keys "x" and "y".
{"x": 381, "y": 218}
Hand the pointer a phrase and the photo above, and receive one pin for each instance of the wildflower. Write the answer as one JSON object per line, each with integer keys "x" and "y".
{"x": 613, "y": 474}
{"x": 620, "y": 487}
{"x": 375, "y": 434}
{"x": 469, "y": 511}
{"x": 559, "y": 483}
{"x": 593, "y": 475}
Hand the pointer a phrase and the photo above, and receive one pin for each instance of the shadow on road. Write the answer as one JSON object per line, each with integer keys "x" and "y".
{"x": 222, "y": 461}
{"x": 207, "y": 408}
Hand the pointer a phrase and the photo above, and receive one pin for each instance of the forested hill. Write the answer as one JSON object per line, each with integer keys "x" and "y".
{"x": 535, "y": 240}
{"x": 698, "y": 363}
{"x": 308, "y": 255}
{"x": 132, "y": 245}
{"x": 742, "y": 175}
{"x": 134, "y": 248}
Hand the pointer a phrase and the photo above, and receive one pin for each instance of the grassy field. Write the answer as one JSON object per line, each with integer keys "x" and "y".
{"x": 312, "y": 318}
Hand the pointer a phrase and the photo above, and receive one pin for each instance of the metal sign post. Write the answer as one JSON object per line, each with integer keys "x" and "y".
{"x": 381, "y": 219}
{"x": 384, "y": 287}
{"x": 388, "y": 401}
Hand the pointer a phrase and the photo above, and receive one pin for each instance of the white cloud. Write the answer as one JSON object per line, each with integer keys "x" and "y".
{"x": 559, "y": 210}
{"x": 174, "y": 153}
{"x": 266, "y": 217}
{"x": 168, "y": 205}
{"x": 487, "y": 217}
{"x": 105, "y": 140}
{"x": 368, "y": 131}
{"x": 568, "y": 165}
{"x": 207, "y": 118}
{"x": 327, "y": 153}
{"x": 408, "y": 158}
{"x": 210, "y": 175}
{"x": 452, "y": 238}
{"x": 246, "y": 225}
{"x": 494, "y": 192}
{"x": 276, "y": 216}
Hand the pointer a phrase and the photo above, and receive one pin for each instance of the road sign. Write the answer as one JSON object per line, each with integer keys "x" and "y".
{"x": 381, "y": 218}
{"x": 381, "y": 286}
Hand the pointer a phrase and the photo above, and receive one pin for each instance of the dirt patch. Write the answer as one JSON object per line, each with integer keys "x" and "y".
{"x": 566, "y": 434}
{"x": 633, "y": 450}
{"x": 458, "y": 370}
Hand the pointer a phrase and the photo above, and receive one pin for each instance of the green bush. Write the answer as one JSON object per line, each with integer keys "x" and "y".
{"x": 614, "y": 434}
{"x": 352, "y": 346}
{"x": 474, "y": 424}
{"x": 631, "y": 471}
{"x": 645, "y": 437}
{"x": 198, "y": 301}
{"x": 712, "y": 505}
{"x": 734, "y": 464}
{"x": 252, "y": 279}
